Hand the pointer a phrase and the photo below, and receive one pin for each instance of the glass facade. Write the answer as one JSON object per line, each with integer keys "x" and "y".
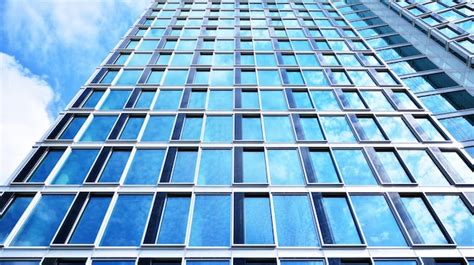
{"x": 244, "y": 132}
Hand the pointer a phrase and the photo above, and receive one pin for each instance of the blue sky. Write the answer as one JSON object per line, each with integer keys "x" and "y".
{"x": 48, "y": 49}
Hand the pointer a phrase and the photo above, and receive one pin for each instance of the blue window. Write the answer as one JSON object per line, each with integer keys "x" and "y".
{"x": 285, "y": 167}
{"x": 128, "y": 77}
{"x": 302, "y": 100}
{"x": 211, "y": 221}
{"x": 248, "y": 77}
{"x": 46, "y": 165}
{"x": 207, "y": 262}
{"x": 430, "y": 132}
{"x": 75, "y": 168}
{"x": 215, "y": 167}
{"x": 115, "y": 165}
{"x": 252, "y": 129}
{"x": 222, "y": 78}
{"x": 457, "y": 218}
{"x": 278, "y": 129}
{"x": 323, "y": 167}
{"x": 273, "y": 100}
{"x": 361, "y": 78}
{"x": 257, "y": 221}
{"x": 197, "y": 100}
{"x": 269, "y": 78}
{"x": 295, "y": 221}
{"x": 422, "y": 167}
{"x": 73, "y": 127}
{"x": 168, "y": 100}
{"x": 113, "y": 262}
{"x": 340, "y": 78}
{"x": 253, "y": 166}
{"x": 191, "y": 128}
{"x": 340, "y": 221}
{"x": 155, "y": 76}
{"x": 220, "y": 100}
{"x": 265, "y": 59}
{"x": 139, "y": 59}
{"x": 307, "y": 60}
{"x": 392, "y": 167}
{"x": 109, "y": 77}
{"x": 181, "y": 59}
{"x": 145, "y": 99}
{"x": 158, "y": 128}
{"x": 223, "y": 59}
{"x": 175, "y": 220}
{"x": 250, "y": 100}
{"x": 90, "y": 221}
{"x": 175, "y": 78}
{"x": 99, "y": 128}
{"x": 352, "y": 100}
{"x": 311, "y": 129}
{"x": 370, "y": 129}
{"x": 354, "y": 167}
{"x": 315, "y": 78}
{"x": 146, "y": 167}
{"x": 460, "y": 168}
{"x": 325, "y": 100}
{"x": 147, "y": 45}
{"x": 337, "y": 129}
{"x": 396, "y": 262}
{"x": 377, "y": 221}
{"x": 184, "y": 167}
{"x": 201, "y": 77}
{"x": 132, "y": 128}
{"x": 396, "y": 129}
{"x": 93, "y": 99}
{"x": 424, "y": 223}
{"x": 218, "y": 129}
{"x": 127, "y": 222}
{"x": 115, "y": 100}
{"x": 294, "y": 78}
{"x": 301, "y": 262}
{"x": 12, "y": 214}
{"x": 376, "y": 100}
{"x": 44, "y": 220}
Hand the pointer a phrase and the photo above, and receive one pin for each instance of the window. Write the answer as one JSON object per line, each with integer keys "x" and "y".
{"x": 158, "y": 128}
{"x": 273, "y": 100}
{"x": 285, "y": 167}
{"x": 460, "y": 168}
{"x": 109, "y": 77}
{"x": 377, "y": 221}
{"x": 43, "y": 221}
{"x": 146, "y": 166}
{"x": 132, "y": 128}
{"x": 73, "y": 127}
{"x": 215, "y": 167}
{"x": 354, "y": 168}
{"x": 311, "y": 129}
{"x": 174, "y": 221}
{"x": 265, "y": 59}
{"x": 144, "y": 100}
{"x": 168, "y": 100}
{"x": 184, "y": 166}
{"x": 181, "y": 59}
{"x": 396, "y": 129}
{"x": 75, "y": 168}
{"x": 295, "y": 222}
{"x": 90, "y": 221}
{"x": 352, "y": 100}
{"x": 430, "y": 132}
{"x": 361, "y": 78}
{"x": 278, "y": 129}
{"x": 257, "y": 220}
{"x": 175, "y": 78}
{"x": 220, "y": 100}
{"x": 127, "y": 222}
{"x": 323, "y": 166}
{"x": 250, "y": 100}
{"x": 251, "y": 128}
{"x": 392, "y": 167}
{"x": 115, "y": 100}
{"x": 113, "y": 262}
{"x": 253, "y": 166}
{"x": 315, "y": 78}
{"x": 370, "y": 129}
{"x": 115, "y": 165}
{"x": 219, "y": 129}
{"x": 269, "y": 78}
{"x": 128, "y": 77}
{"x": 423, "y": 168}
{"x": 337, "y": 129}
{"x": 191, "y": 128}
{"x": 99, "y": 128}
{"x": 46, "y": 165}
{"x": 325, "y": 100}
{"x": 248, "y": 77}
{"x": 223, "y": 59}
{"x": 12, "y": 214}
{"x": 302, "y": 100}
{"x": 93, "y": 99}
{"x": 294, "y": 77}
{"x": 139, "y": 59}
{"x": 376, "y": 101}
{"x": 222, "y": 78}
{"x": 155, "y": 75}
{"x": 197, "y": 99}
{"x": 211, "y": 221}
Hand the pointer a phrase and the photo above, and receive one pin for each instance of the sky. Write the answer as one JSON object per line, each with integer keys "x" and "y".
{"x": 48, "y": 50}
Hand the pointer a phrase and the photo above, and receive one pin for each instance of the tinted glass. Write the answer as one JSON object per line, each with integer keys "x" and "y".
{"x": 337, "y": 129}
{"x": 90, "y": 221}
{"x": 257, "y": 221}
{"x": 220, "y": 100}
{"x": 184, "y": 166}
{"x": 46, "y": 165}
{"x": 392, "y": 167}
{"x": 174, "y": 222}
{"x": 75, "y": 168}
{"x": 99, "y": 128}
{"x": 132, "y": 128}
{"x": 323, "y": 167}
{"x": 146, "y": 167}
{"x": 340, "y": 221}
{"x": 254, "y": 169}
{"x": 354, "y": 167}
{"x": 285, "y": 167}
{"x": 423, "y": 168}
{"x": 215, "y": 167}
{"x": 11, "y": 215}
{"x": 273, "y": 100}
{"x": 311, "y": 129}
{"x": 158, "y": 128}
{"x": 278, "y": 129}
{"x": 168, "y": 100}
{"x": 73, "y": 127}
{"x": 219, "y": 129}
{"x": 191, "y": 128}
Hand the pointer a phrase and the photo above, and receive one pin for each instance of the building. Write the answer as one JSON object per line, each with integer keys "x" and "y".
{"x": 250, "y": 133}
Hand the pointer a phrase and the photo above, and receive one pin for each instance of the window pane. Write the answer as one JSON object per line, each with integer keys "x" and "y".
{"x": 311, "y": 129}
{"x": 423, "y": 168}
{"x": 354, "y": 167}
{"x": 158, "y": 128}
{"x": 278, "y": 129}
{"x": 184, "y": 167}
{"x": 109, "y": 77}
{"x": 211, "y": 221}
{"x": 254, "y": 169}
{"x": 294, "y": 78}
{"x": 376, "y": 219}
{"x": 337, "y": 129}
{"x": 90, "y": 220}
{"x": 396, "y": 129}
{"x": 323, "y": 167}
{"x": 250, "y": 100}
{"x": 222, "y": 78}
{"x": 99, "y": 128}
{"x": 430, "y": 132}
{"x": 459, "y": 166}
{"x": 302, "y": 262}
{"x": 115, "y": 165}
{"x": 139, "y": 59}
{"x": 273, "y": 100}
{"x": 155, "y": 75}
{"x": 370, "y": 129}
{"x": 75, "y": 168}
{"x": 251, "y": 128}
{"x": 175, "y": 78}
{"x": 145, "y": 99}
{"x": 294, "y": 220}
{"x": 207, "y": 262}
{"x": 46, "y": 165}
{"x": 352, "y": 100}
{"x": 168, "y": 100}
{"x": 11, "y": 215}
{"x": 302, "y": 100}
{"x": 132, "y": 128}
{"x": 215, "y": 167}
{"x": 93, "y": 99}
{"x": 424, "y": 223}
{"x": 392, "y": 167}
{"x": 324, "y": 100}
{"x": 219, "y": 129}
{"x": 257, "y": 221}
{"x": 175, "y": 220}
{"x": 44, "y": 220}
{"x": 146, "y": 167}
{"x": 376, "y": 101}
{"x": 285, "y": 167}
{"x": 269, "y": 78}
{"x": 315, "y": 78}
{"x": 128, "y": 220}
{"x": 340, "y": 221}
{"x": 191, "y": 128}
{"x": 128, "y": 77}
{"x": 73, "y": 127}
{"x": 457, "y": 218}
{"x": 220, "y": 100}
{"x": 197, "y": 100}
{"x": 113, "y": 262}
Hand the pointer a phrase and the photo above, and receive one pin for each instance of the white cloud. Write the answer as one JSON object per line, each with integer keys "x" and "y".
{"x": 24, "y": 99}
